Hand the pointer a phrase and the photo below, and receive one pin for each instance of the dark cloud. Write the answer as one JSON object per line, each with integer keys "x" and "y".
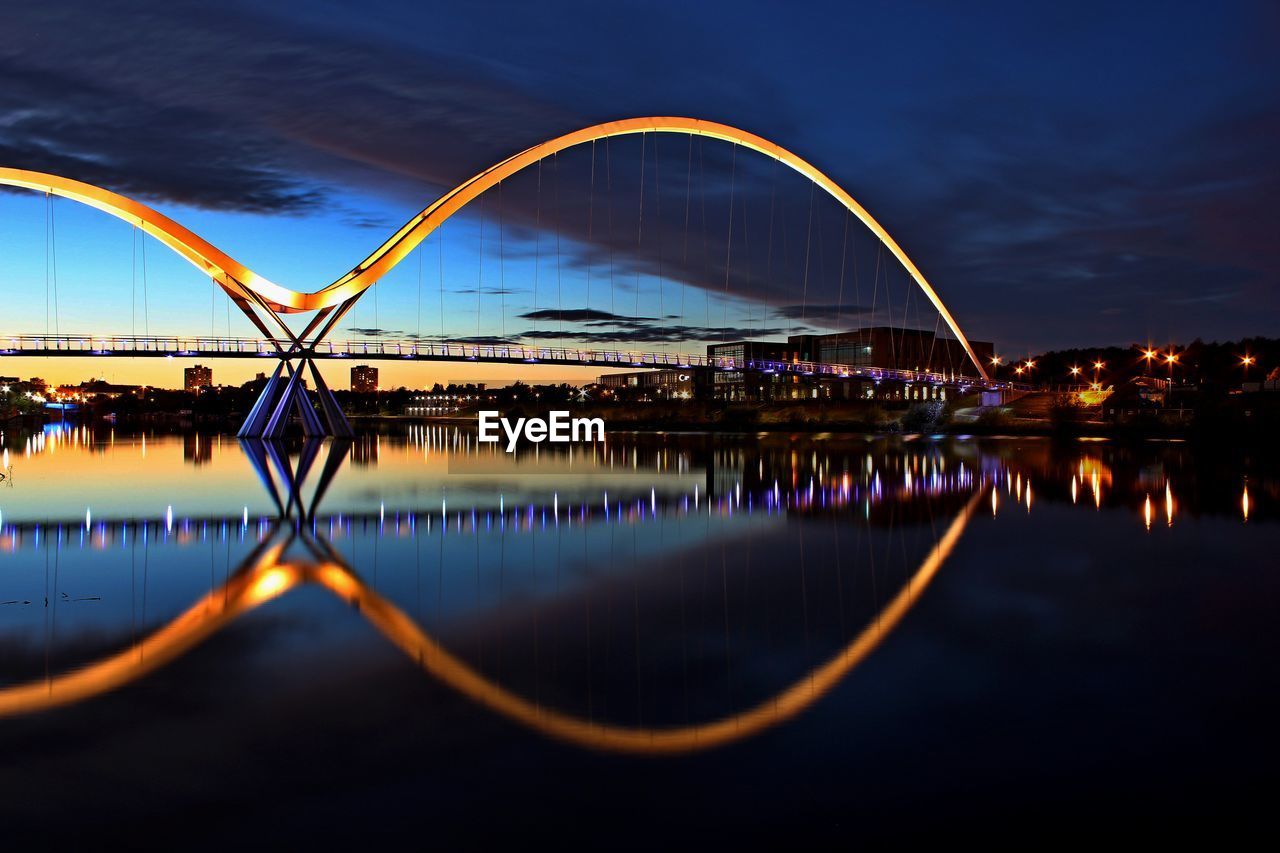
{"x": 75, "y": 128}
{"x": 835, "y": 314}
{"x": 234, "y": 110}
{"x": 375, "y": 332}
{"x": 655, "y": 334}
{"x": 581, "y": 315}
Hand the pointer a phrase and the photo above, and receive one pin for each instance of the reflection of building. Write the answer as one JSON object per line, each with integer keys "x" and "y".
{"x": 197, "y": 449}
{"x": 683, "y": 384}
{"x": 195, "y": 378}
{"x": 364, "y": 379}
{"x": 364, "y": 450}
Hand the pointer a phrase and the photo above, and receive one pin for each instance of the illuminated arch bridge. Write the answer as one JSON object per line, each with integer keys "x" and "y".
{"x": 264, "y": 301}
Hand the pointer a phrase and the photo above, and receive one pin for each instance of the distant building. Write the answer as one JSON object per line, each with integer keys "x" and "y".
{"x": 891, "y": 347}
{"x": 364, "y": 379}
{"x": 195, "y": 378}
{"x": 684, "y": 384}
{"x": 875, "y": 346}
{"x": 878, "y": 346}
{"x": 96, "y": 388}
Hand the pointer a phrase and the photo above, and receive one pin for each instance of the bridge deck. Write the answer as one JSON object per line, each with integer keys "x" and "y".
{"x": 456, "y": 351}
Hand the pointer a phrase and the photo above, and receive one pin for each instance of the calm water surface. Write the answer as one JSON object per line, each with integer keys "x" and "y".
{"x": 670, "y": 638}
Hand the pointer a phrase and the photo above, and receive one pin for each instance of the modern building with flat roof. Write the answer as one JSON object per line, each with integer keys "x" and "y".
{"x": 197, "y": 377}
{"x": 364, "y": 379}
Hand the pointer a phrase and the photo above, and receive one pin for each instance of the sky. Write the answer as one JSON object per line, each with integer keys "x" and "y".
{"x": 1077, "y": 175}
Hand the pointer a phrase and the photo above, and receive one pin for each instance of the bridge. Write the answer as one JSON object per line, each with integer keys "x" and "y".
{"x": 410, "y": 350}
{"x": 265, "y": 303}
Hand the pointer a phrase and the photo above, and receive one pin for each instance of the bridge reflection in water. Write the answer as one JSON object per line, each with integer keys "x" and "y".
{"x": 296, "y": 548}
{"x": 659, "y": 593}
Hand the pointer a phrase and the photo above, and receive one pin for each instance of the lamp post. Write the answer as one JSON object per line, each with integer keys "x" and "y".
{"x": 1170, "y": 360}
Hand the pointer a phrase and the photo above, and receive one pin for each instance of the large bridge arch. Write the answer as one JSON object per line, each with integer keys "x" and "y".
{"x": 242, "y": 283}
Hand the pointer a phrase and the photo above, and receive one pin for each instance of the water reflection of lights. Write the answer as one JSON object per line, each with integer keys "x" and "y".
{"x": 816, "y": 480}
{"x": 837, "y": 494}
{"x": 267, "y": 575}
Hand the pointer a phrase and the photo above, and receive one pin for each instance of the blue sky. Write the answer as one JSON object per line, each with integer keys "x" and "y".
{"x": 1082, "y": 174}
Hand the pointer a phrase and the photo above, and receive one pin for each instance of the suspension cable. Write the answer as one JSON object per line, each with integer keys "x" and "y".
{"x": 844, "y": 256}
{"x": 146, "y": 293}
{"x": 640, "y": 224}
{"x": 591, "y": 201}
{"x": 608, "y": 178}
{"x": 657, "y": 200}
{"x": 440, "y": 276}
{"x": 555, "y": 162}
{"x": 684, "y": 256}
{"x": 502, "y": 273}
{"x": 728, "y": 249}
{"x": 480, "y": 269}
{"x": 418, "y": 334}
{"x": 808, "y": 239}
{"x": 133, "y": 283}
{"x": 537, "y": 241}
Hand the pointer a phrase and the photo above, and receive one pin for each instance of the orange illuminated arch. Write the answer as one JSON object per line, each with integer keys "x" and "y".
{"x": 236, "y": 278}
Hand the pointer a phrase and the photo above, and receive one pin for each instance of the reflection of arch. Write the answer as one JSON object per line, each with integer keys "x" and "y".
{"x": 239, "y": 280}
{"x": 270, "y": 577}
{"x": 265, "y": 579}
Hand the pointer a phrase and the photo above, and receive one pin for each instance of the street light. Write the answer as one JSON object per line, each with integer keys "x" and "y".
{"x": 1075, "y": 370}
{"x": 1148, "y": 355}
{"x": 1170, "y": 360}
{"x": 1246, "y": 361}
{"x": 1097, "y": 368}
